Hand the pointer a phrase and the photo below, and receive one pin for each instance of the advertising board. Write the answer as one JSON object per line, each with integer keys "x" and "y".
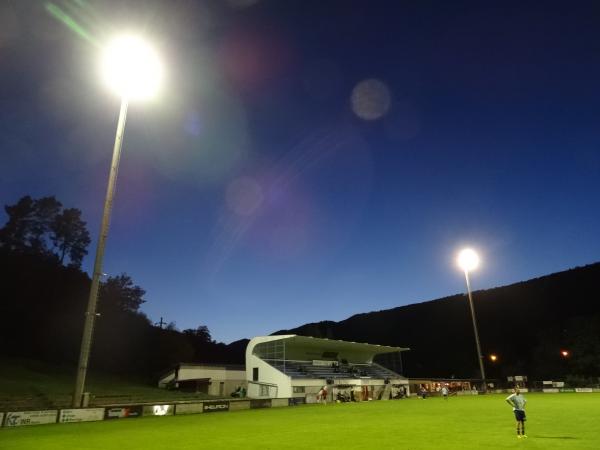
{"x": 20, "y": 418}
{"x": 260, "y": 403}
{"x": 296, "y": 401}
{"x": 278, "y": 402}
{"x": 159, "y": 410}
{"x": 123, "y": 412}
{"x": 218, "y": 406}
{"x": 188, "y": 408}
{"x": 80, "y": 415}
{"x": 238, "y": 405}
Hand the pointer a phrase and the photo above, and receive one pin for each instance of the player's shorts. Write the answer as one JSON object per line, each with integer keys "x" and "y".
{"x": 520, "y": 415}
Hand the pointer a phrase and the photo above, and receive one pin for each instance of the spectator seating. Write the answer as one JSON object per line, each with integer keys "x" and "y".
{"x": 306, "y": 369}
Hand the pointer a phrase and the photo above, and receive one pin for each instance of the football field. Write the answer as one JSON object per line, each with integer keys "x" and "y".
{"x": 554, "y": 421}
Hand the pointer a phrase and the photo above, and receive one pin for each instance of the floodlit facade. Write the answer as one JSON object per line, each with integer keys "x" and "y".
{"x": 297, "y": 367}
{"x": 218, "y": 380}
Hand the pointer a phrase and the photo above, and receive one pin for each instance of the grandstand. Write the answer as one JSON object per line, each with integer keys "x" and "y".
{"x": 296, "y": 367}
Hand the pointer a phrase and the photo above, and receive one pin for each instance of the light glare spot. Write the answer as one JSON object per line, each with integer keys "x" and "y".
{"x": 371, "y": 99}
{"x": 244, "y": 196}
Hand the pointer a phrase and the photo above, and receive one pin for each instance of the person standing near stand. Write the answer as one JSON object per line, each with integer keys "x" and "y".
{"x": 445, "y": 392}
{"x": 517, "y": 401}
{"x": 322, "y": 395}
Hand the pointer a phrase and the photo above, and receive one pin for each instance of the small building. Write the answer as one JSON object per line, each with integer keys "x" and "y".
{"x": 211, "y": 379}
{"x": 291, "y": 366}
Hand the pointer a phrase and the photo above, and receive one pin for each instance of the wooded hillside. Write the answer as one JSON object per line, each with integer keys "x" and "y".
{"x": 526, "y": 325}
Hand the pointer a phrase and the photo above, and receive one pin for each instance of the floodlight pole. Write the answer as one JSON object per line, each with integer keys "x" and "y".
{"x": 90, "y": 315}
{"x": 479, "y": 355}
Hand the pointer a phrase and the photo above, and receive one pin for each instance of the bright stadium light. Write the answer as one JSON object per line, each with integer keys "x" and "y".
{"x": 469, "y": 260}
{"x": 131, "y": 68}
{"x": 134, "y": 71}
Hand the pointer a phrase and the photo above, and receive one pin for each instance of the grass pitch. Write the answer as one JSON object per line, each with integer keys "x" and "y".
{"x": 555, "y": 421}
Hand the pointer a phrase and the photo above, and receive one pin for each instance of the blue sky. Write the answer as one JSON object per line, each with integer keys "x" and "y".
{"x": 307, "y": 161}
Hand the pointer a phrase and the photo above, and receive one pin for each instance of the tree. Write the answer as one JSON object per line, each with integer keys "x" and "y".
{"x": 119, "y": 294}
{"x": 204, "y": 346}
{"x": 70, "y": 236}
{"x": 583, "y": 343}
{"x": 200, "y": 334}
{"x": 34, "y": 224}
{"x": 14, "y": 234}
{"x": 46, "y": 210}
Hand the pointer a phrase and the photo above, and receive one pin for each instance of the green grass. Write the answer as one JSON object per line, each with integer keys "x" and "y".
{"x": 555, "y": 421}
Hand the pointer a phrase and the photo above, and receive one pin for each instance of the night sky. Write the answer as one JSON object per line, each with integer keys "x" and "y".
{"x": 309, "y": 160}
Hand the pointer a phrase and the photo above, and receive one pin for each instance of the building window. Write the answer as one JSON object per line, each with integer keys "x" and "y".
{"x": 255, "y": 374}
{"x": 298, "y": 389}
{"x": 273, "y": 350}
{"x": 263, "y": 390}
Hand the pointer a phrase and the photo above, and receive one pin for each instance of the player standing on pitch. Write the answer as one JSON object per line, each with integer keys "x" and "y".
{"x": 517, "y": 401}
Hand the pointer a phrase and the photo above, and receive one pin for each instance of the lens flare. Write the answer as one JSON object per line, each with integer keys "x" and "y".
{"x": 244, "y": 196}
{"x": 60, "y": 15}
{"x": 371, "y": 99}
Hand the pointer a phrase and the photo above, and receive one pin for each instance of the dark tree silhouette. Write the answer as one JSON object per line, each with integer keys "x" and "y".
{"x": 42, "y": 227}
{"x": 583, "y": 344}
{"x": 120, "y": 294}
{"x": 200, "y": 334}
{"x": 29, "y": 223}
{"x": 46, "y": 210}
{"x": 14, "y": 235}
{"x": 43, "y": 304}
{"x": 70, "y": 236}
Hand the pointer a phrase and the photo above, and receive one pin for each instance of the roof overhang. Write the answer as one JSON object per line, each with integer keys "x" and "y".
{"x": 305, "y": 347}
{"x": 336, "y": 345}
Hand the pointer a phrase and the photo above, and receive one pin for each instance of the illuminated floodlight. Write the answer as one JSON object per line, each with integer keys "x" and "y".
{"x": 468, "y": 260}
{"x": 131, "y": 68}
{"x": 565, "y": 353}
{"x": 493, "y": 358}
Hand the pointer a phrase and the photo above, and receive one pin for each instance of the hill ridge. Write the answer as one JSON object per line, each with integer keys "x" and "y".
{"x": 440, "y": 334}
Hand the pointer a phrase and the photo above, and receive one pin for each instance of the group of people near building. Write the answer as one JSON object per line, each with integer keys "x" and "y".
{"x": 240, "y": 392}
{"x": 322, "y": 395}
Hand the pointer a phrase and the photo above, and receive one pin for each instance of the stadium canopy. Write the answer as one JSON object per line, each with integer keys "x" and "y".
{"x": 305, "y": 348}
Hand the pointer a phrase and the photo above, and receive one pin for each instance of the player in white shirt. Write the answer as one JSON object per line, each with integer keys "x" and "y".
{"x": 517, "y": 401}
{"x": 445, "y": 392}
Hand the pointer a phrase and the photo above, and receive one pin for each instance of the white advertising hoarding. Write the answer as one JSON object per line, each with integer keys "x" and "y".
{"x": 159, "y": 410}
{"x": 20, "y": 418}
{"x": 81, "y": 415}
{"x": 189, "y": 408}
